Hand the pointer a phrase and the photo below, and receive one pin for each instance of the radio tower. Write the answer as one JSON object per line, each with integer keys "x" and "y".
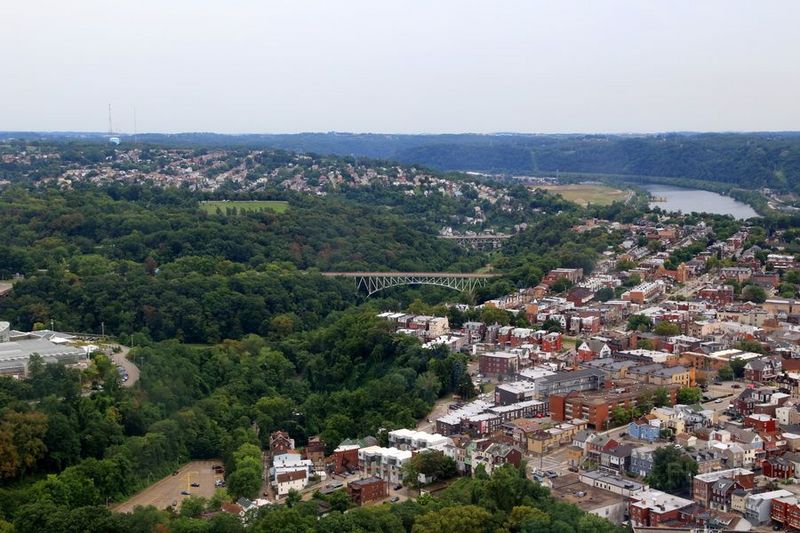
{"x": 110, "y": 129}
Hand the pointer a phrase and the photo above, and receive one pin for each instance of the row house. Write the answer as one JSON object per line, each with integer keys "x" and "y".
{"x": 782, "y": 261}
{"x": 409, "y": 439}
{"x": 513, "y": 411}
{"x": 617, "y": 460}
{"x": 749, "y": 399}
{"x": 641, "y": 460}
{"x": 545, "y": 440}
{"x": 778, "y": 468}
{"x": 766, "y": 280}
{"x": 682, "y": 343}
{"x": 593, "y": 349}
{"x": 739, "y": 274}
{"x": 717, "y": 294}
{"x": 707, "y": 461}
{"x": 758, "y": 507}
{"x": 493, "y": 455}
{"x": 384, "y": 463}
{"x": 714, "y": 489}
{"x": 646, "y": 428}
{"x": 764, "y": 369}
{"x": 674, "y": 375}
{"x": 760, "y": 423}
{"x": 481, "y": 425}
{"x": 599, "y": 444}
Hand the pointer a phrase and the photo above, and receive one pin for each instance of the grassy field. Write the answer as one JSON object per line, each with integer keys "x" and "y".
{"x": 253, "y": 206}
{"x": 585, "y": 193}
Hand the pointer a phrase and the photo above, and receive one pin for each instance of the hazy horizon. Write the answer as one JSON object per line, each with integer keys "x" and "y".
{"x": 410, "y": 67}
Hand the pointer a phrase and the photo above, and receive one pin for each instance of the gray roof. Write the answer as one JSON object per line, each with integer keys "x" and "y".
{"x": 15, "y": 354}
{"x": 566, "y": 376}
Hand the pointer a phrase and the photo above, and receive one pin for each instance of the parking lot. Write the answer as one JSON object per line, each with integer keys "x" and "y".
{"x": 167, "y": 491}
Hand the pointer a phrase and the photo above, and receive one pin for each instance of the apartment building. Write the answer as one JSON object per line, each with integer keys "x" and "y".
{"x": 644, "y": 292}
{"x": 409, "y": 439}
{"x": 384, "y": 463}
{"x": 595, "y": 407}
{"x": 499, "y": 363}
{"x": 587, "y": 379}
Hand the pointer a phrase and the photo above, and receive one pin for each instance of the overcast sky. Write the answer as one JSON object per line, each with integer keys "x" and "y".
{"x": 401, "y": 66}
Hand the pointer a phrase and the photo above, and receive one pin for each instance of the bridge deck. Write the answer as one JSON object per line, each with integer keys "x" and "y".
{"x": 467, "y": 275}
{"x": 475, "y": 237}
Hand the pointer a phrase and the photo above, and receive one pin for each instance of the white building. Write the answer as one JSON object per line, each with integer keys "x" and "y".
{"x": 757, "y": 507}
{"x": 409, "y": 439}
{"x": 384, "y": 463}
{"x": 293, "y": 480}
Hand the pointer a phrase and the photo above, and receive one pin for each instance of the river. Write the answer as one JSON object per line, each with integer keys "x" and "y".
{"x": 696, "y": 200}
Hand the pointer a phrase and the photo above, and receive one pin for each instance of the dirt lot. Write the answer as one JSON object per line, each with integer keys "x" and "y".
{"x": 163, "y": 493}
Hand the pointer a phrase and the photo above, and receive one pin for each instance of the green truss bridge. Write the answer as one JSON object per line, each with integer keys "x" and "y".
{"x": 372, "y": 282}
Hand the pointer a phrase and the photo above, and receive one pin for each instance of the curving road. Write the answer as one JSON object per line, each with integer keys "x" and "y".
{"x": 121, "y": 359}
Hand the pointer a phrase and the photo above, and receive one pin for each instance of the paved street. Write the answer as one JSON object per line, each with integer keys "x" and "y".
{"x": 165, "y": 492}
{"x": 121, "y": 359}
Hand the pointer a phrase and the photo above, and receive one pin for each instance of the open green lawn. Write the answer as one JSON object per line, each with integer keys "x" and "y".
{"x": 586, "y": 193}
{"x": 252, "y": 206}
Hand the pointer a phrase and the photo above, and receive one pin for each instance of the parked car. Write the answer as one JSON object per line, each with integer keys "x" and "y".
{"x": 185, "y": 493}
{"x": 550, "y": 474}
{"x": 398, "y": 486}
{"x": 395, "y": 499}
{"x": 195, "y": 484}
{"x": 736, "y": 386}
{"x": 573, "y": 468}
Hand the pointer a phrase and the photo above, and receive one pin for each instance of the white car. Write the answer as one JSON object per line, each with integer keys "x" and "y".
{"x": 718, "y": 400}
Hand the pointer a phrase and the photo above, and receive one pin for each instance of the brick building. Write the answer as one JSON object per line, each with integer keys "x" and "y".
{"x": 345, "y": 458}
{"x": 786, "y": 511}
{"x": 367, "y": 490}
{"x": 654, "y": 508}
{"x": 498, "y": 363}
{"x": 777, "y": 467}
{"x": 714, "y": 489}
{"x": 718, "y": 294}
{"x": 280, "y": 442}
{"x": 596, "y": 407}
